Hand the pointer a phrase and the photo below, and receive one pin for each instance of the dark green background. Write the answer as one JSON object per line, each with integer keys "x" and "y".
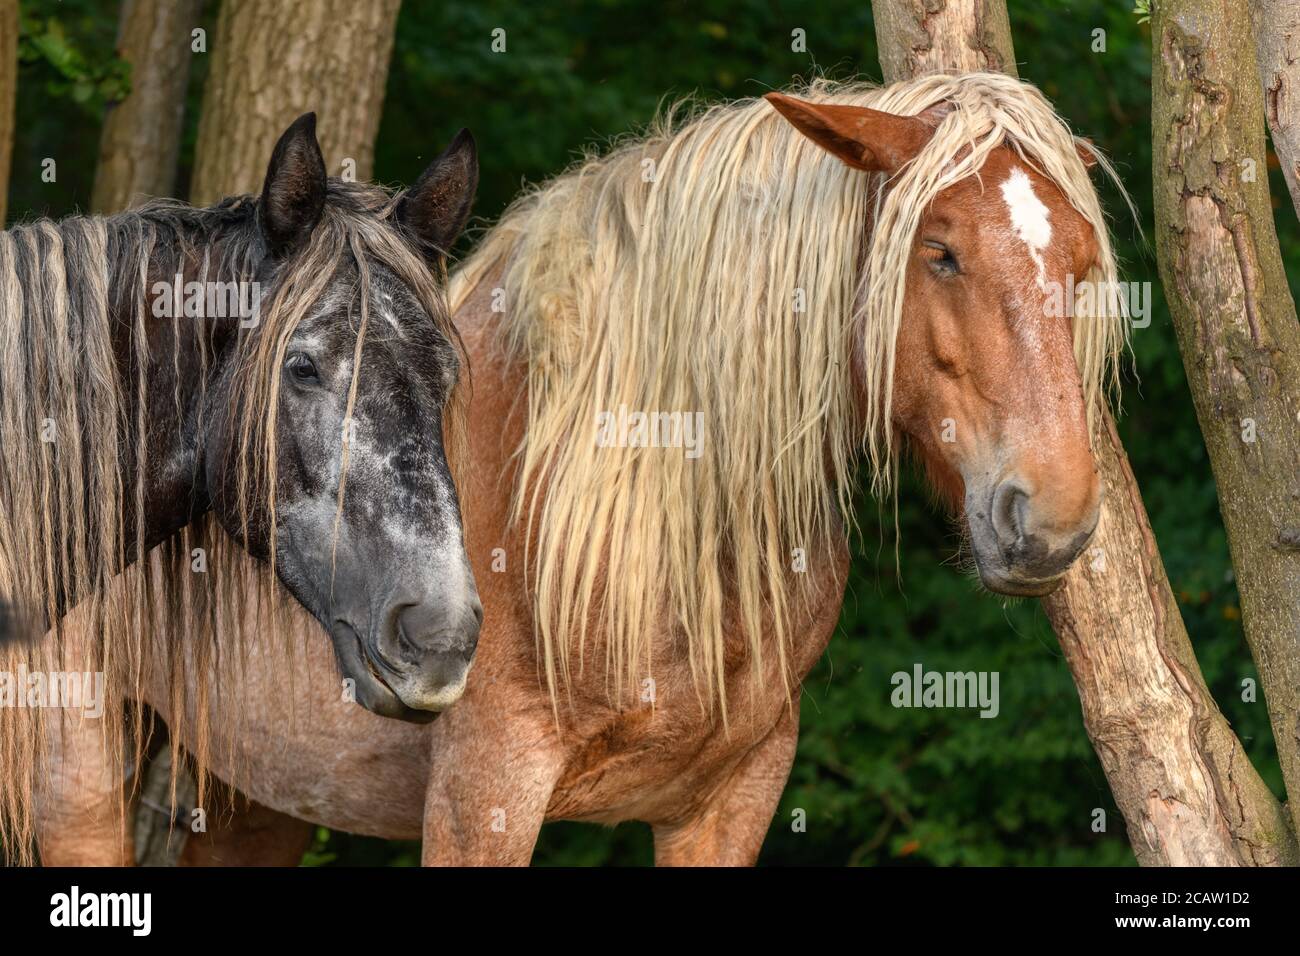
{"x": 879, "y": 785}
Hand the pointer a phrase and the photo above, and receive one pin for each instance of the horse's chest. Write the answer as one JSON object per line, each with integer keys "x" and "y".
{"x": 652, "y": 765}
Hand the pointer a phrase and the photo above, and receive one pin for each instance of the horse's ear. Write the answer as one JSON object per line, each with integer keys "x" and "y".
{"x": 1087, "y": 152}
{"x": 434, "y": 210}
{"x": 293, "y": 196}
{"x": 863, "y": 138}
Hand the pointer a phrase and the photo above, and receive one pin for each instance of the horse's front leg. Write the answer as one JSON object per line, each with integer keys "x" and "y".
{"x": 728, "y": 830}
{"x": 249, "y": 834}
{"x": 491, "y": 780}
{"x": 80, "y": 798}
{"x": 79, "y": 801}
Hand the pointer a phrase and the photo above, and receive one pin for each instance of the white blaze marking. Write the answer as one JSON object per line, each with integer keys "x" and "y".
{"x": 1028, "y": 218}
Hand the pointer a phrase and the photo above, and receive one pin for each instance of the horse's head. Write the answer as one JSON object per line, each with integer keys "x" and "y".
{"x": 365, "y": 523}
{"x": 985, "y": 381}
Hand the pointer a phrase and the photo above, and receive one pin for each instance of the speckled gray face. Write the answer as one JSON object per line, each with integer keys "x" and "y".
{"x": 386, "y": 572}
{"x": 403, "y": 609}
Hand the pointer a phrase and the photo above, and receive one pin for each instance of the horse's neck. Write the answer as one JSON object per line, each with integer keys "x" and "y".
{"x": 165, "y": 364}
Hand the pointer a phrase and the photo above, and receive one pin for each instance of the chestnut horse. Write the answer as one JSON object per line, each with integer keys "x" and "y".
{"x": 683, "y": 352}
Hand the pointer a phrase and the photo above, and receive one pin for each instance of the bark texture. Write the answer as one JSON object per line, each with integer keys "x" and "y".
{"x": 1236, "y": 322}
{"x": 162, "y": 826}
{"x": 934, "y": 36}
{"x": 1277, "y": 46}
{"x": 272, "y": 62}
{"x": 142, "y": 134}
{"x": 8, "y": 95}
{"x": 1177, "y": 772}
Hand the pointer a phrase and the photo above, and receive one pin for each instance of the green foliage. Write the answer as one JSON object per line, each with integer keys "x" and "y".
{"x": 68, "y": 73}
{"x": 332, "y": 848}
{"x": 579, "y": 74}
{"x": 89, "y": 81}
{"x": 876, "y": 784}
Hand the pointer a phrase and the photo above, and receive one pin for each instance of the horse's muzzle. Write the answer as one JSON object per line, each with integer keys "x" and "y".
{"x": 415, "y": 662}
{"x": 425, "y": 649}
{"x": 1021, "y": 547}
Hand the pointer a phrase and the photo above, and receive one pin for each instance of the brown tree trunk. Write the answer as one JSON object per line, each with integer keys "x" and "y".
{"x": 1176, "y": 770}
{"x": 272, "y": 62}
{"x": 162, "y": 827}
{"x": 1178, "y": 773}
{"x": 1277, "y": 46}
{"x": 1236, "y": 323}
{"x": 142, "y": 134}
{"x": 8, "y": 93}
{"x": 931, "y": 36}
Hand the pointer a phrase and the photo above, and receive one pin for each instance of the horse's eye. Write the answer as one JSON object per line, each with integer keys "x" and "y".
{"x": 302, "y": 368}
{"x": 940, "y": 257}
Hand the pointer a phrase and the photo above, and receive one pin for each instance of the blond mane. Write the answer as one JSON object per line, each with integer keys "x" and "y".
{"x": 729, "y": 266}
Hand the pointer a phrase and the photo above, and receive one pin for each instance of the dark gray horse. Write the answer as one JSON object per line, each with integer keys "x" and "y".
{"x": 283, "y": 364}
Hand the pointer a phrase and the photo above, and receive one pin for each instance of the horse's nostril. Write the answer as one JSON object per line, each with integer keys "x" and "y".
{"x": 433, "y": 627}
{"x": 1008, "y": 514}
{"x": 409, "y": 649}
